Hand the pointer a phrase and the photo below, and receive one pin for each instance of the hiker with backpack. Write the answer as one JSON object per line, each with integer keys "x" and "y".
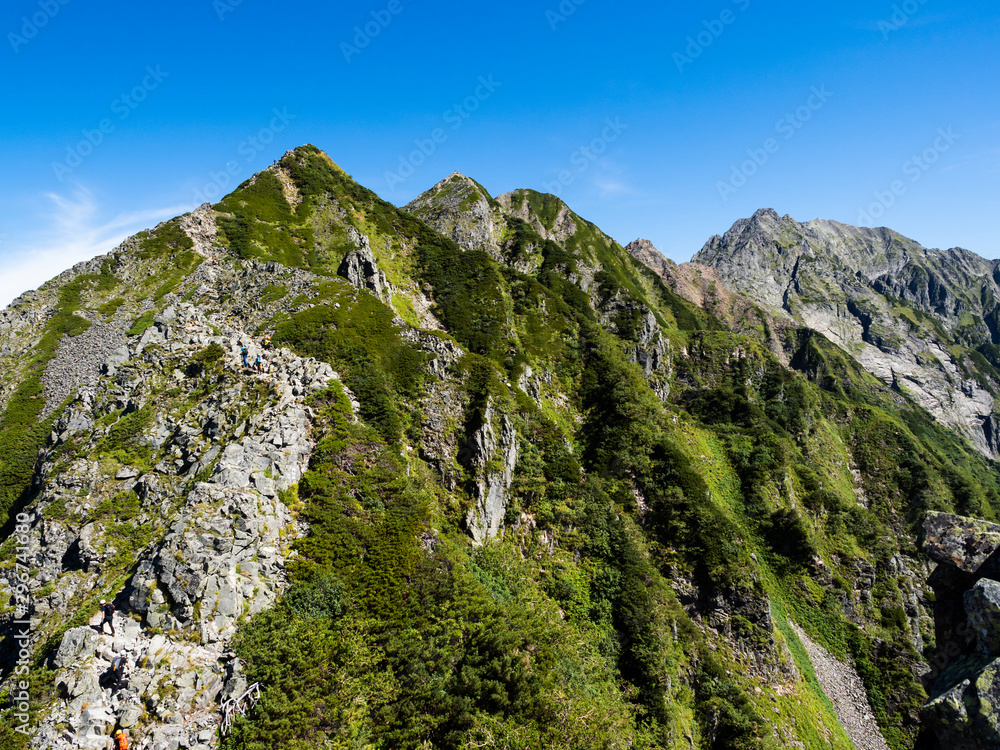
{"x": 120, "y": 740}
{"x": 119, "y": 670}
{"x": 243, "y": 353}
{"x": 109, "y": 613}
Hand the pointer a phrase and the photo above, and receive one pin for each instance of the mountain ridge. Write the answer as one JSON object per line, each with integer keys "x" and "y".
{"x": 493, "y": 480}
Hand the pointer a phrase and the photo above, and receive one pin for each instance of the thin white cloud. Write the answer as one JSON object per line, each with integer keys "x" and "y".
{"x": 612, "y": 188}
{"x": 74, "y": 230}
{"x": 987, "y": 161}
{"x": 609, "y": 179}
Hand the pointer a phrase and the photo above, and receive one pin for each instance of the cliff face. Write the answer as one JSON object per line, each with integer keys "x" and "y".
{"x": 922, "y": 321}
{"x": 494, "y": 480}
{"x": 704, "y": 287}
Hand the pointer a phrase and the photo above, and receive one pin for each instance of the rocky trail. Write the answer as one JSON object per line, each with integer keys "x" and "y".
{"x": 165, "y": 674}
{"x": 845, "y": 690}
{"x": 219, "y": 557}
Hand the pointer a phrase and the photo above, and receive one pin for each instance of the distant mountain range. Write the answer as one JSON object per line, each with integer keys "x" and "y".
{"x": 923, "y": 321}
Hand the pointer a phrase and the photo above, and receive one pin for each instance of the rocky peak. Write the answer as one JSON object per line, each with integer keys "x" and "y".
{"x": 645, "y": 252}
{"x": 916, "y": 318}
{"x": 763, "y": 214}
{"x": 460, "y": 208}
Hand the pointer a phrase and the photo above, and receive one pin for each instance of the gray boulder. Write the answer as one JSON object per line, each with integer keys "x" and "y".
{"x": 965, "y": 543}
{"x": 982, "y": 606}
{"x": 966, "y": 715}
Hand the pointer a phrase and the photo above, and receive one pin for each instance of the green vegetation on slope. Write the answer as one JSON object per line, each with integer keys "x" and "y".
{"x": 21, "y": 434}
{"x": 355, "y": 333}
{"x": 422, "y": 643}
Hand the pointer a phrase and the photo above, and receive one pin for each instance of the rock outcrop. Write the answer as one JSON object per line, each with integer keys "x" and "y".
{"x": 360, "y": 268}
{"x": 200, "y": 226}
{"x": 491, "y": 455}
{"x": 963, "y": 543}
{"x": 965, "y": 697}
{"x": 487, "y": 454}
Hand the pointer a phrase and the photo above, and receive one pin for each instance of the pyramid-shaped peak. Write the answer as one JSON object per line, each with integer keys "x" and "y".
{"x": 462, "y": 209}
{"x": 461, "y": 181}
{"x": 454, "y": 193}
{"x": 646, "y": 253}
{"x": 641, "y": 245}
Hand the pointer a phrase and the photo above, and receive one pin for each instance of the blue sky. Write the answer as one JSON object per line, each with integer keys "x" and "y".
{"x": 652, "y": 121}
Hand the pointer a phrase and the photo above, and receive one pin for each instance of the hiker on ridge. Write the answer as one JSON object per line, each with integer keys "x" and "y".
{"x": 120, "y": 670}
{"x": 109, "y": 613}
